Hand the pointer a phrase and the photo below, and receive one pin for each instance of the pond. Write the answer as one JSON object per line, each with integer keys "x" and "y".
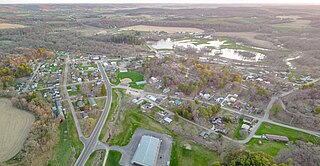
{"x": 214, "y": 45}
{"x": 170, "y": 44}
{"x": 238, "y": 55}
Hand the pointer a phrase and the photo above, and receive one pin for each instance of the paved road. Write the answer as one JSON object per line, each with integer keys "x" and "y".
{"x": 73, "y": 112}
{"x": 31, "y": 78}
{"x": 92, "y": 143}
{"x": 66, "y": 85}
{"x": 255, "y": 128}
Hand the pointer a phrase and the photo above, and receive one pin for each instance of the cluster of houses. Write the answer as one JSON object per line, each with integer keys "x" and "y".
{"x": 303, "y": 80}
{"x": 247, "y": 125}
{"x": 57, "y": 108}
{"x": 218, "y": 125}
{"x": 91, "y": 73}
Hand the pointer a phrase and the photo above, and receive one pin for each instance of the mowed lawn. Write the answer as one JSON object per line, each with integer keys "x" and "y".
{"x": 197, "y": 156}
{"x": 134, "y": 76}
{"x": 293, "y": 135}
{"x": 113, "y": 158}
{"x": 134, "y": 119}
{"x": 270, "y": 147}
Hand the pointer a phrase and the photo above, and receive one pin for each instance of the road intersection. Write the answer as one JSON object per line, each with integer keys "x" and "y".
{"x": 92, "y": 143}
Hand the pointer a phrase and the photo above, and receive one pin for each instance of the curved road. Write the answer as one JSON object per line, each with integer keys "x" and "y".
{"x": 92, "y": 143}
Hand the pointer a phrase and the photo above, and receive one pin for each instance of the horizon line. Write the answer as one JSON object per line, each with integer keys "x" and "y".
{"x": 176, "y": 3}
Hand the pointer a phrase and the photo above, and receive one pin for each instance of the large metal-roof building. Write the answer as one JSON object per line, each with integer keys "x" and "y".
{"x": 147, "y": 151}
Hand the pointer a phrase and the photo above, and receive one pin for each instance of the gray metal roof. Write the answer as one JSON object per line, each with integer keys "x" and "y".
{"x": 147, "y": 151}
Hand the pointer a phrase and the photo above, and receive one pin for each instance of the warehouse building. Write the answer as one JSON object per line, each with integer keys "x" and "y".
{"x": 147, "y": 151}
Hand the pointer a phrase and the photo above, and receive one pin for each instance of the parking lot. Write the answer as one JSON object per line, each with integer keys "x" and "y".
{"x": 129, "y": 150}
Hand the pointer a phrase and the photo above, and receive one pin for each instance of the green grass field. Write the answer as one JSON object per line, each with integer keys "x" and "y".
{"x": 197, "y": 156}
{"x": 113, "y": 158}
{"x": 293, "y": 135}
{"x": 134, "y": 76}
{"x": 270, "y": 147}
{"x": 134, "y": 119}
{"x": 62, "y": 154}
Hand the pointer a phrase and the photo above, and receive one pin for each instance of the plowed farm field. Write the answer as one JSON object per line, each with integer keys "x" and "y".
{"x": 15, "y": 125}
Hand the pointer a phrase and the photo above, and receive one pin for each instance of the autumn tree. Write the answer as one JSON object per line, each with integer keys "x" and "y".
{"x": 245, "y": 158}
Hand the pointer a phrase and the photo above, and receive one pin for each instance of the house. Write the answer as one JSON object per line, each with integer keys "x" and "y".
{"x": 151, "y": 97}
{"x": 222, "y": 131}
{"x": 141, "y": 82}
{"x": 158, "y": 100}
{"x": 204, "y": 95}
{"x": 177, "y": 102}
{"x": 84, "y": 73}
{"x": 80, "y": 104}
{"x": 219, "y": 99}
{"x": 245, "y": 127}
{"x": 137, "y": 101}
{"x": 275, "y": 138}
{"x": 74, "y": 88}
{"x": 95, "y": 57}
{"x": 166, "y": 90}
{"x": 217, "y": 121}
{"x": 113, "y": 63}
{"x": 168, "y": 120}
{"x": 92, "y": 102}
{"x": 123, "y": 70}
{"x": 203, "y": 59}
{"x": 204, "y": 134}
{"x": 147, "y": 106}
{"x": 84, "y": 114}
{"x": 247, "y": 122}
{"x": 153, "y": 80}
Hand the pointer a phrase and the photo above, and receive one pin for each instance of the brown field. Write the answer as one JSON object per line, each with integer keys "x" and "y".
{"x": 8, "y": 26}
{"x": 250, "y": 37}
{"x": 297, "y": 22}
{"x": 158, "y": 28}
{"x": 15, "y": 125}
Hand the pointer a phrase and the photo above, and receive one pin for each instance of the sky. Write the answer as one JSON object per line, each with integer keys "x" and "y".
{"x": 165, "y": 1}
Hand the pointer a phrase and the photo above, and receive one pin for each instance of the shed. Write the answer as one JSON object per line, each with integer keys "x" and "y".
{"x": 177, "y": 102}
{"x": 276, "y": 138}
{"x": 141, "y": 82}
{"x": 92, "y": 101}
{"x": 168, "y": 120}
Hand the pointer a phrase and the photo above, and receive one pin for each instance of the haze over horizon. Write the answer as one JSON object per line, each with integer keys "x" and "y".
{"x": 163, "y": 1}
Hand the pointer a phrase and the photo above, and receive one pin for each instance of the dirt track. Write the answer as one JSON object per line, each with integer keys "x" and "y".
{"x": 15, "y": 125}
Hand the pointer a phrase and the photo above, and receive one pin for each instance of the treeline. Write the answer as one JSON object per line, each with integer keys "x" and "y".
{"x": 19, "y": 71}
{"x": 200, "y": 76}
{"x": 127, "y": 39}
{"x": 209, "y": 111}
{"x": 12, "y": 66}
{"x": 43, "y": 132}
